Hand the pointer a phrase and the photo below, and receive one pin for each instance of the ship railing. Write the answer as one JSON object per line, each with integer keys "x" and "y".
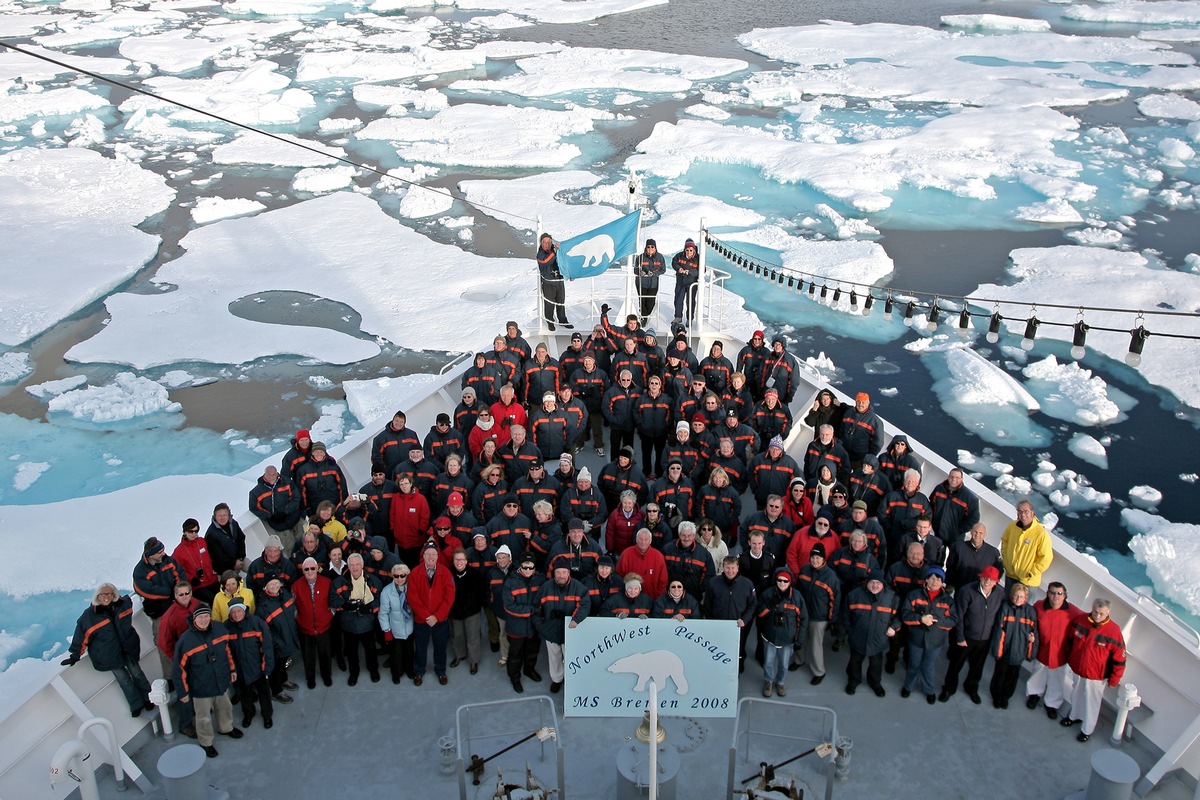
{"x": 767, "y": 729}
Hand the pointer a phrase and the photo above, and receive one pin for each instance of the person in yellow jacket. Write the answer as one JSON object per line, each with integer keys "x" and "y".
{"x": 231, "y": 587}
{"x": 1025, "y": 548}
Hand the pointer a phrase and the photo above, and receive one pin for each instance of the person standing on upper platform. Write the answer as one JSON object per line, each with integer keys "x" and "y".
{"x": 686, "y": 264}
{"x": 554, "y": 293}
{"x": 648, "y": 267}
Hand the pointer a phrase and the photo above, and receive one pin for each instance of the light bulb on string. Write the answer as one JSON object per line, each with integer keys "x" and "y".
{"x": 824, "y": 293}
{"x": 993, "y": 334}
{"x": 887, "y": 307}
{"x": 1137, "y": 340}
{"x": 853, "y": 300}
{"x": 964, "y": 322}
{"x": 909, "y": 310}
{"x": 1079, "y": 340}
{"x": 868, "y": 301}
{"x": 1031, "y": 326}
{"x": 812, "y": 289}
{"x": 837, "y": 296}
{"x": 935, "y": 314}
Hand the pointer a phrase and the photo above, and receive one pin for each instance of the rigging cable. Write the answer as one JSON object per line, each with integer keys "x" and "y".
{"x": 253, "y": 129}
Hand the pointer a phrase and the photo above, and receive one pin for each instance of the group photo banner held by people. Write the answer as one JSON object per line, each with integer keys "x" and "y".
{"x": 609, "y": 664}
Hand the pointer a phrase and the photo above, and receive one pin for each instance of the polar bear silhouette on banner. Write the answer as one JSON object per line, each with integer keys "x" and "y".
{"x": 658, "y": 665}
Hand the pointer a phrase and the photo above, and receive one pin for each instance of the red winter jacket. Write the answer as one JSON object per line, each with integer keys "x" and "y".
{"x": 193, "y": 556}
{"x": 619, "y": 531}
{"x": 313, "y": 615}
{"x": 1053, "y": 644}
{"x": 1097, "y": 651}
{"x": 430, "y": 600}
{"x": 410, "y": 519}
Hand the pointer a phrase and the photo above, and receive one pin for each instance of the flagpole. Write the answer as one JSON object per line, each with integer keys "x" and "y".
{"x": 631, "y": 205}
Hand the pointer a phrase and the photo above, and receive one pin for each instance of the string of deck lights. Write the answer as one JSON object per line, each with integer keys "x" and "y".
{"x": 817, "y": 288}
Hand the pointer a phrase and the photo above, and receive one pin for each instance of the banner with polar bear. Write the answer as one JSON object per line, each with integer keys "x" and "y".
{"x": 609, "y": 664}
{"x": 592, "y": 253}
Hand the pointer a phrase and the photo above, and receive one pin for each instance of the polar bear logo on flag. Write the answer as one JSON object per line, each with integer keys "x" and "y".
{"x": 595, "y": 251}
{"x": 656, "y": 665}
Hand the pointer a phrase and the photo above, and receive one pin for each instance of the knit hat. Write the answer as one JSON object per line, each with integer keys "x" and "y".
{"x": 319, "y": 446}
{"x": 626, "y": 451}
{"x": 862, "y": 396}
{"x": 575, "y": 524}
{"x": 576, "y": 337}
{"x": 273, "y": 541}
{"x": 689, "y": 243}
{"x": 303, "y": 434}
{"x": 442, "y": 419}
{"x": 511, "y": 498}
{"x": 649, "y": 333}
{"x": 784, "y": 572}
{"x": 604, "y": 561}
{"x": 237, "y": 602}
{"x": 991, "y": 573}
{"x": 818, "y": 549}
{"x": 470, "y": 390}
{"x": 567, "y": 457}
{"x": 699, "y": 417}
{"x": 201, "y": 610}
{"x": 941, "y": 573}
{"x": 441, "y": 522}
{"x": 503, "y": 550}
{"x": 682, "y": 426}
{"x": 651, "y": 243}
{"x": 153, "y": 547}
{"x": 584, "y": 474}
{"x": 796, "y": 480}
{"x": 776, "y": 441}
{"x": 548, "y": 397}
{"x": 875, "y": 575}
{"x": 731, "y": 412}
{"x": 758, "y": 335}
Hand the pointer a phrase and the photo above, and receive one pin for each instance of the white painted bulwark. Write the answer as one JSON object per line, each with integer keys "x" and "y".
{"x": 610, "y": 663}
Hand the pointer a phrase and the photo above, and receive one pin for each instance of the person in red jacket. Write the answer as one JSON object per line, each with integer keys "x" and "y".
{"x": 1097, "y": 657}
{"x": 314, "y": 619}
{"x": 175, "y": 620}
{"x": 623, "y": 524}
{"x": 642, "y": 559}
{"x": 409, "y": 519}
{"x": 1052, "y": 680}
{"x": 430, "y": 594}
{"x": 192, "y": 554}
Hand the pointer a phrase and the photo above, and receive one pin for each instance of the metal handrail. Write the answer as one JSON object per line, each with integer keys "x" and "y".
{"x": 1141, "y": 595}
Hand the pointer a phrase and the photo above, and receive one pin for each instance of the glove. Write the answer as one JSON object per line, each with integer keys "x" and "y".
{"x": 604, "y": 309}
{"x": 387, "y": 636}
{"x": 622, "y": 615}
{"x": 70, "y": 660}
{"x": 642, "y": 616}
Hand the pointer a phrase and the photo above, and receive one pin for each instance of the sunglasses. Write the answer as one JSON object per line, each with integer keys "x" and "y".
{"x": 400, "y": 577}
{"x": 441, "y": 529}
{"x": 782, "y": 580}
{"x": 310, "y": 569}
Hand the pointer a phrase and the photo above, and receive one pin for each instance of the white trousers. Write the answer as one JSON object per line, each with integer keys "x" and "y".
{"x": 554, "y": 654}
{"x": 1053, "y": 685}
{"x": 1085, "y": 702}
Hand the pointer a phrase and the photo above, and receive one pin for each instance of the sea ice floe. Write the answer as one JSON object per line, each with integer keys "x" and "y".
{"x": 985, "y": 464}
{"x": 27, "y": 473}
{"x": 959, "y": 154}
{"x": 1089, "y": 449}
{"x": 1107, "y": 279}
{"x": 1171, "y": 553}
{"x": 985, "y": 399}
{"x": 128, "y": 396}
{"x": 330, "y": 427}
{"x": 14, "y": 366}
{"x": 1072, "y": 393}
{"x": 994, "y": 22}
{"x": 44, "y": 391}
{"x": 16, "y": 105}
{"x": 521, "y": 201}
{"x": 372, "y": 400}
{"x": 574, "y": 69}
{"x": 1145, "y": 496}
{"x": 487, "y": 136}
{"x": 249, "y": 148}
{"x": 558, "y": 11}
{"x": 1136, "y": 12}
{"x": 256, "y": 95}
{"x": 1170, "y": 106}
{"x": 95, "y": 247}
{"x": 420, "y": 201}
{"x": 318, "y": 180}
{"x": 211, "y": 209}
{"x": 398, "y": 99}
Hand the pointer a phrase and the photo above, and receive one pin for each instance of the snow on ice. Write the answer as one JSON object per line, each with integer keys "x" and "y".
{"x": 128, "y": 396}
{"x": 211, "y": 209}
{"x": 14, "y": 366}
{"x": 1072, "y": 393}
{"x": 1089, "y": 449}
{"x": 372, "y": 400}
{"x": 96, "y": 247}
{"x": 1171, "y": 553}
{"x": 985, "y": 399}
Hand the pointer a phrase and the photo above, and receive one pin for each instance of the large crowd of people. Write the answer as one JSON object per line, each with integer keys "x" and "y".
{"x": 487, "y": 527}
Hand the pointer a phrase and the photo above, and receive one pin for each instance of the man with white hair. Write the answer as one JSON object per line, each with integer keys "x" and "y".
{"x": 1097, "y": 658}
{"x": 356, "y": 602}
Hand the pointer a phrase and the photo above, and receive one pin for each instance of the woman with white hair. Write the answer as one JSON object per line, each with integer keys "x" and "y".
{"x": 105, "y": 630}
